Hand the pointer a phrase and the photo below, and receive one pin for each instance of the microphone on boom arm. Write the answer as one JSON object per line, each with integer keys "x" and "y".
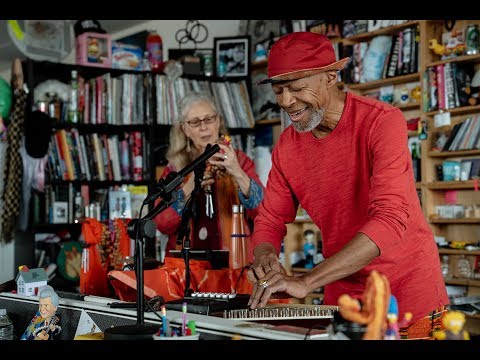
{"x": 166, "y": 185}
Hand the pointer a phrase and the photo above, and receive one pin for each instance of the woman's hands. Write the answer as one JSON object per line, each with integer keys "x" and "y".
{"x": 227, "y": 159}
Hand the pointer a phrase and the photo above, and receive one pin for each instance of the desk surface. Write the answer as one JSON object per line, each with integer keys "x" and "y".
{"x": 210, "y": 327}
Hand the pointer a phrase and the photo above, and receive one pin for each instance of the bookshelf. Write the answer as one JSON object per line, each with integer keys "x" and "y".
{"x": 121, "y": 137}
{"x": 432, "y": 191}
{"x": 439, "y": 191}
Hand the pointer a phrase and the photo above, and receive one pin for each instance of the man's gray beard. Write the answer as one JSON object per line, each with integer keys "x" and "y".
{"x": 315, "y": 120}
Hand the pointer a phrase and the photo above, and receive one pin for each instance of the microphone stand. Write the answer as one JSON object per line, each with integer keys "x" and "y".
{"x": 140, "y": 229}
{"x": 189, "y": 211}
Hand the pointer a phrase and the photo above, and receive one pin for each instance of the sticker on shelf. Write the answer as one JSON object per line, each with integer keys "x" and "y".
{"x": 442, "y": 119}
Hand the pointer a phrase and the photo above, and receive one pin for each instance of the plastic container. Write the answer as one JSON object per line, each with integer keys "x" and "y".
{"x": 6, "y": 326}
{"x": 155, "y": 52}
{"x": 187, "y": 337}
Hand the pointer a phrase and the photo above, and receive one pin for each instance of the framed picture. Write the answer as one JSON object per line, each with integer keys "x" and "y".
{"x": 60, "y": 212}
{"x": 120, "y": 205}
{"x": 232, "y": 56}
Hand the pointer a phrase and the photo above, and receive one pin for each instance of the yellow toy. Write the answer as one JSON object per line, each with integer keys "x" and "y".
{"x": 453, "y": 322}
{"x": 437, "y": 48}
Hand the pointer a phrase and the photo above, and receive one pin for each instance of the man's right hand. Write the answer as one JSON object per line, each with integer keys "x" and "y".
{"x": 266, "y": 259}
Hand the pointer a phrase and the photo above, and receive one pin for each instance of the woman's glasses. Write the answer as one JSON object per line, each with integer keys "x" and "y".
{"x": 207, "y": 120}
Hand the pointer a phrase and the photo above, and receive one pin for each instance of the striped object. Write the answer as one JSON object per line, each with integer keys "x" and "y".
{"x": 278, "y": 312}
{"x": 425, "y": 327}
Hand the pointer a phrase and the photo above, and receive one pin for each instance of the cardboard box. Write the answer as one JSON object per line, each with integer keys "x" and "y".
{"x": 94, "y": 49}
{"x": 126, "y": 56}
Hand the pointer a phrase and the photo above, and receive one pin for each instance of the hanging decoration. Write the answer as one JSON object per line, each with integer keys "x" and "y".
{"x": 194, "y": 31}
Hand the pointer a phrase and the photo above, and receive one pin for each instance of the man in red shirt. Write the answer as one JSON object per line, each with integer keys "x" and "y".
{"x": 345, "y": 159}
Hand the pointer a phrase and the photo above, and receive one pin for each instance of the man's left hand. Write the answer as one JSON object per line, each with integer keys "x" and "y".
{"x": 276, "y": 282}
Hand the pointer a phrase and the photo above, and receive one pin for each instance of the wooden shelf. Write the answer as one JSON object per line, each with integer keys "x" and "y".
{"x": 54, "y": 227}
{"x": 455, "y": 221}
{"x": 466, "y": 282}
{"x": 259, "y": 64}
{"x": 456, "y": 111}
{"x": 383, "y": 82}
{"x": 445, "y": 154}
{"x": 418, "y": 185}
{"x": 389, "y": 30}
{"x": 407, "y": 107}
{"x": 463, "y": 58}
{"x": 474, "y": 316}
{"x": 444, "y": 251}
{"x": 450, "y": 185}
{"x": 263, "y": 122}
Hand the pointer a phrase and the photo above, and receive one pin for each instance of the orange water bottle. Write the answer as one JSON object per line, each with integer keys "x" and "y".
{"x": 155, "y": 53}
{"x": 238, "y": 250}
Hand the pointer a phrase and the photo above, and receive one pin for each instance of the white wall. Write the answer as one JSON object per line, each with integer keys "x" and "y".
{"x": 167, "y": 29}
{"x": 7, "y": 272}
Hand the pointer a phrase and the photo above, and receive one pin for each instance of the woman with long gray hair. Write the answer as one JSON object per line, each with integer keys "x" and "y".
{"x": 230, "y": 176}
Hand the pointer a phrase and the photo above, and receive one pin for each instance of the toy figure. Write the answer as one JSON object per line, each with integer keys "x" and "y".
{"x": 260, "y": 52}
{"x": 393, "y": 325}
{"x": 93, "y": 50}
{"x": 453, "y": 322}
{"x": 44, "y": 325}
{"x": 309, "y": 248}
{"x": 436, "y": 47}
{"x": 371, "y": 309}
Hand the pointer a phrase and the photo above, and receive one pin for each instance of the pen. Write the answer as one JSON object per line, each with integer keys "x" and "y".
{"x": 184, "y": 318}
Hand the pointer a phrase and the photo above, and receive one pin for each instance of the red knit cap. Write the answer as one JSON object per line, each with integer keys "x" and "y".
{"x": 301, "y": 54}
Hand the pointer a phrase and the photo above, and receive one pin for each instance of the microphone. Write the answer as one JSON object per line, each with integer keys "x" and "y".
{"x": 172, "y": 180}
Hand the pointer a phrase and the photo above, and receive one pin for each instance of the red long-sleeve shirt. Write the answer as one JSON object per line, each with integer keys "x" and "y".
{"x": 357, "y": 179}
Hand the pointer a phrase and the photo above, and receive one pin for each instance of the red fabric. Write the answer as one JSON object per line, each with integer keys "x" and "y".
{"x": 168, "y": 281}
{"x": 93, "y": 278}
{"x": 357, "y": 179}
{"x": 168, "y": 221}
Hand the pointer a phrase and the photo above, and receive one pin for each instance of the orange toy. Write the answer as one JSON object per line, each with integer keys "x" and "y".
{"x": 372, "y": 311}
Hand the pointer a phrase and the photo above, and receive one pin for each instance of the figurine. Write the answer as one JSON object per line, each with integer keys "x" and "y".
{"x": 93, "y": 50}
{"x": 393, "y": 325}
{"x": 371, "y": 310}
{"x": 309, "y": 248}
{"x": 44, "y": 325}
{"x": 453, "y": 322}
{"x": 436, "y": 47}
{"x": 260, "y": 52}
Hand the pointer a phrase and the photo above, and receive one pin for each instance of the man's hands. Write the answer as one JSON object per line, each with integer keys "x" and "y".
{"x": 269, "y": 277}
{"x": 274, "y": 283}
